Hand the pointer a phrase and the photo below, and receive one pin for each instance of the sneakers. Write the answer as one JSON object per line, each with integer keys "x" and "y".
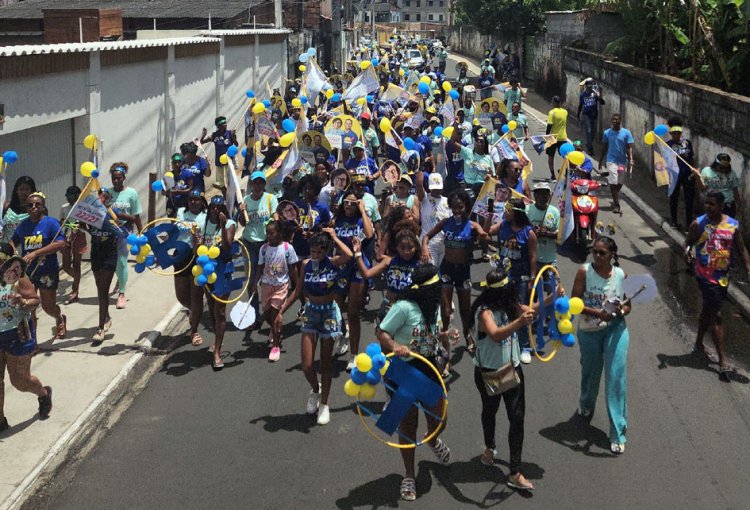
{"x": 275, "y": 354}
{"x": 312, "y": 402}
{"x": 617, "y": 448}
{"x": 525, "y": 356}
{"x": 98, "y": 337}
{"x": 352, "y": 364}
{"x": 324, "y": 415}
{"x": 122, "y": 302}
{"x": 342, "y": 345}
{"x": 45, "y": 404}
{"x": 487, "y": 458}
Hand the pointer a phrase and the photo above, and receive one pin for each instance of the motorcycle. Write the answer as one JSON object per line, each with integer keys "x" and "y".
{"x": 585, "y": 209}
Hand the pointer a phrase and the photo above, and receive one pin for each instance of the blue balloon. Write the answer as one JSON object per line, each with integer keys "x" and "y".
{"x": 373, "y": 349}
{"x": 374, "y": 62}
{"x": 244, "y": 152}
{"x": 408, "y": 144}
{"x": 141, "y": 240}
{"x": 140, "y": 267}
{"x": 157, "y": 186}
{"x": 250, "y": 94}
{"x": 311, "y": 51}
{"x": 661, "y": 130}
{"x": 569, "y": 340}
{"x": 288, "y": 125}
{"x": 202, "y": 260}
{"x": 10, "y": 157}
{"x": 336, "y": 98}
{"x": 562, "y": 305}
{"x": 266, "y": 103}
{"x": 453, "y": 93}
{"x": 209, "y": 268}
{"x": 566, "y": 149}
{"x": 505, "y": 128}
{"x": 358, "y": 377}
{"x": 132, "y": 239}
{"x": 369, "y": 99}
{"x": 378, "y": 361}
{"x": 95, "y": 173}
{"x": 424, "y": 89}
{"x": 201, "y": 279}
{"x": 373, "y": 377}
{"x": 232, "y": 151}
{"x": 134, "y": 250}
{"x": 438, "y": 131}
{"x": 304, "y": 57}
{"x": 150, "y": 259}
{"x": 303, "y": 99}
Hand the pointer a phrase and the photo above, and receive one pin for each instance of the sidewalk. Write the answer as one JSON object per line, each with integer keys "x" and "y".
{"x": 640, "y": 189}
{"x": 84, "y": 378}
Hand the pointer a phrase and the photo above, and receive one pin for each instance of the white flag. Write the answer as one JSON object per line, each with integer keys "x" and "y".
{"x": 365, "y": 82}
{"x": 314, "y": 80}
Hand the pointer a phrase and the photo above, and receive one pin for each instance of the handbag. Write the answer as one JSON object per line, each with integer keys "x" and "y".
{"x": 502, "y": 379}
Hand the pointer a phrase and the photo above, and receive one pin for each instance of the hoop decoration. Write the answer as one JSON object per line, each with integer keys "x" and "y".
{"x": 408, "y": 386}
{"x": 225, "y": 284}
{"x": 559, "y": 326}
{"x": 162, "y": 238}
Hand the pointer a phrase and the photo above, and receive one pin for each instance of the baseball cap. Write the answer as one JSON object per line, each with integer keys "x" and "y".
{"x": 405, "y": 177}
{"x": 435, "y": 181}
{"x": 358, "y": 145}
{"x": 430, "y": 109}
{"x": 365, "y": 115}
{"x": 258, "y": 175}
{"x": 542, "y": 186}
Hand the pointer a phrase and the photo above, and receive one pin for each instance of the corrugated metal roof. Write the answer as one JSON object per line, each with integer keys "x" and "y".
{"x": 246, "y": 31}
{"x": 45, "y": 49}
{"x": 218, "y": 9}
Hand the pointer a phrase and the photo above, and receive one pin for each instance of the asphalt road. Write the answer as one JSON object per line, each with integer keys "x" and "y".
{"x": 240, "y": 438}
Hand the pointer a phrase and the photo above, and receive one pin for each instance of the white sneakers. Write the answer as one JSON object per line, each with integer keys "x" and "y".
{"x": 324, "y": 416}
{"x": 525, "y": 357}
{"x": 342, "y": 345}
{"x": 351, "y": 365}
{"x": 312, "y": 402}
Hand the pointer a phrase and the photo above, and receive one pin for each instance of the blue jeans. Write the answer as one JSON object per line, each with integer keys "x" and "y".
{"x": 607, "y": 349}
{"x": 589, "y": 127}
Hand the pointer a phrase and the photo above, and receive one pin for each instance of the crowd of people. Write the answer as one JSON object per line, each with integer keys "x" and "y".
{"x": 367, "y": 207}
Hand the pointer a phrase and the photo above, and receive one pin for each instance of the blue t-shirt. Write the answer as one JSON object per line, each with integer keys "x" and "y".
{"x": 197, "y": 171}
{"x": 454, "y": 162}
{"x": 182, "y": 182}
{"x": 309, "y": 217}
{"x": 423, "y": 144}
{"x": 30, "y": 236}
{"x": 515, "y": 247}
{"x": 589, "y": 103}
{"x": 348, "y": 228}
{"x": 617, "y": 145}
{"x": 222, "y": 141}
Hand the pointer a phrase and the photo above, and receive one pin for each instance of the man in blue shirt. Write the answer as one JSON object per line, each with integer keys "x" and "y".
{"x": 617, "y": 152}
{"x": 588, "y": 105}
{"x": 454, "y": 163}
{"x": 361, "y": 164}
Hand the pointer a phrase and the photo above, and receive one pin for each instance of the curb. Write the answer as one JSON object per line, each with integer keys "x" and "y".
{"x": 56, "y": 457}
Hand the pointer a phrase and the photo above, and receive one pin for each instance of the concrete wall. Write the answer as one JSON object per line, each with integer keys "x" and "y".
{"x": 142, "y": 103}
{"x": 715, "y": 120}
{"x": 468, "y": 41}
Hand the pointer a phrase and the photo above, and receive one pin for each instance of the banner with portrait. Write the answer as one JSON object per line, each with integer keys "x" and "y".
{"x": 343, "y": 131}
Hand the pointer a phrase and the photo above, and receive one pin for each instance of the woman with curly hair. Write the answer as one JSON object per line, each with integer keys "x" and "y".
{"x": 411, "y": 325}
{"x": 127, "y": 205}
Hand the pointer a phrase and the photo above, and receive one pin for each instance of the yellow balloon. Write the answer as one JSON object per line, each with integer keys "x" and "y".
{"x": 224, "y": 159}
{"x": 90, "y": 142}
{"x": 329, "y": 93}
{"x": 259, "y": 108}
{"x": 447, "y": 86}
{"x": 401, "y": 72}
{"x": 296, "y": 102}
{"x": 140, "y": 259}
{"x": 169, "y": 174}
{"x": 287, "y": 139}
{"x": 365, "y": 64}
{"x": 576, "y": 157}
{"x": 86, "y": 168}
{"x": 512, "y": 125}
{"x": 565, "y": 327}
{"x": 385, "y": 125}
{"x": 367, "y": 391}
{"x": 302, "y": 68}
{"x": 576, "y": 306}
{"x": 425, "y": 79}
{"x": 448, "y": 132}
{"x": 213, "y": 252}
{"x": 212, "y": 278}
{"x": 351, "y": 388}
{"x": 649, "y": 138}
{"x": 363, "y": 361}
{"x": 361, "y": 101}
{"x": 1, "y": 162}
{"x": 197, "y": 270}
{"x": 385, "y": 367}
{"x": 202, "y": 250}
{"x": 145, "y": 250}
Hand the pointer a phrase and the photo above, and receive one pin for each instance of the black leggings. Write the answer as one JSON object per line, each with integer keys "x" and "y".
{"x": 515, "y": 407}
{"x": 687, "y": 184}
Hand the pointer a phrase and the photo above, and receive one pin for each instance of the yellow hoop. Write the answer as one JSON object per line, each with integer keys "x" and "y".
{"x": 432, "y": 434}
{"x": 244, "y": 289}
{"x": 158, "y": 271}
{"x": 556, "y": 343}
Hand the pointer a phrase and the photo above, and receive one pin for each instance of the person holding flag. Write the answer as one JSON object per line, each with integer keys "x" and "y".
{"x": 686, "y": 178}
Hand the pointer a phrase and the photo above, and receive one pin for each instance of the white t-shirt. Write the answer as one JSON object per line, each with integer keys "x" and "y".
{"x": 276, "y": 261}
{"x": 432, "y": 210}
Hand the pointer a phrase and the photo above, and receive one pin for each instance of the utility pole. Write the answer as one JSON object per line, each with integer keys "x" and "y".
{"x": 372, "y": 23}
{"x": 336, "y": 33}
{"x": 277, "y": 17}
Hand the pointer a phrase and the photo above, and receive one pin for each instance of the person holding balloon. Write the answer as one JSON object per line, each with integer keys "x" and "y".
{"x": 127, "y": 206}
{"x": 195, "y": 165}
{"x": 603, "y": 338}
{"x": 190, "y": 219}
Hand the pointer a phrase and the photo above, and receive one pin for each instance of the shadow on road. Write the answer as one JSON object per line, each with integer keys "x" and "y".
{"x": 579, "y": 436}
{"x": 18, "y": 427}
{"x": 295, "y": 422}
{"x": 380, "y": 493}
{"x": 697, "y": 362}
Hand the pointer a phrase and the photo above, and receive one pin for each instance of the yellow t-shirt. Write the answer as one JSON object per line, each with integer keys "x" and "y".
{"x": 558, "y": 117}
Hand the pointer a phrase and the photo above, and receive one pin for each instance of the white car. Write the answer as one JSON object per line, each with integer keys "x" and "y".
{"x": 414, "y": 59}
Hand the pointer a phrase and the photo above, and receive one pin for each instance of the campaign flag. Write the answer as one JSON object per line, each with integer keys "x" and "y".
{"x": 562, "y": 198}
{"x": 540, "y": 143}
{"x": 314, "y": 79}
{"x": 90, "y": 210}
{"x": 448, "y": 112}
{"x": 670, "y": 162}
{"x": 505, "y": 150}
{"x": 265, "y": 128}
{"x": 660, "y": 170}
{"x": 412, "y": 81}
{"x": 392, "y": 93}
{"x": 365, "y": 82}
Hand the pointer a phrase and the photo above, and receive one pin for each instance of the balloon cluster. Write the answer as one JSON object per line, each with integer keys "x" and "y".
{"x": 371, "y": 366}
{"x": 88, "y": 169}
{"x": 510, "y": 126}
{"x": 167, "y": 182}
{"x": 569, "y": 152}
{"x": 139, "y": 247}
{"x": 650, "y": 137}
{"x": 565, "y": 309}
{"x": 204, "y": 271}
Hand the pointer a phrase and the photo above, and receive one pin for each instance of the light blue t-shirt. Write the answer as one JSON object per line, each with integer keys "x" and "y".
{"x": 493, "y": 354}
{"x": 617, "y": 145}
{"x": 476, "y": 166}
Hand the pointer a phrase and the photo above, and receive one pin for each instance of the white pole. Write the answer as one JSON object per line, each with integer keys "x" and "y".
{"x": 154, "y": 23}
{"x": 209, "y": 21}
{"x": 80, "y": 29}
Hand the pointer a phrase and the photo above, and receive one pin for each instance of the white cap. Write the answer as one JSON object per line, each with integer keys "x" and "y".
{"x": 435, "y": 181}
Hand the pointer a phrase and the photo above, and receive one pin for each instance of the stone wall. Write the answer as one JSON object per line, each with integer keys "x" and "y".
{"x": 468, "y": 41}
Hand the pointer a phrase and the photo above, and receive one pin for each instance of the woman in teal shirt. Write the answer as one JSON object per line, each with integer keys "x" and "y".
{"x": 127, "y": 205}
{"x": 412, "y": 325}
{"x": 15, "y": 210}
{"x": 477, "y": 163}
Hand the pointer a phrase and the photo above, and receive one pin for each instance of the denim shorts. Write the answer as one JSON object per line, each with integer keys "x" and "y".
{"x": 455, "y": 275}
{"x": 322, "y": 320}
{"x": 10, "y": 343}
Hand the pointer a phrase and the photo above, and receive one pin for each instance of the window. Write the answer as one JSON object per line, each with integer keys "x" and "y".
{"x": 430, "y": 3}
{"x": 429, "y": 17}
{"x": 407, "y": 3}
{"x": 440, "y": 17}
{"x": 441, "y": 3}
{"x": 419, "y": 17}
{"x": 406, "y": 17}
{"x": 419, "y": 3}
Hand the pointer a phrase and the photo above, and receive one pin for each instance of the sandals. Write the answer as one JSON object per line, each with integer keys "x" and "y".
{"x": 519, "y": 482}
{"x": 724, "y": 373}
{"x": 196, "y": 339}
{"x": 408, "y": 489}
{"x": 487, "y": 458}
{"x": 441, "y": 451}
{"x": 701, "y": 351}
{"x": 62, "y": 328}
{"x": 72, "y": 298}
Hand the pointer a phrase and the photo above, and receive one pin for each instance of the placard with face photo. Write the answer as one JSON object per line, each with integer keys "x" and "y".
{"x": 343, "y": 131}
{"x": 390, "y": 172}
{"x": 314, "y": 147}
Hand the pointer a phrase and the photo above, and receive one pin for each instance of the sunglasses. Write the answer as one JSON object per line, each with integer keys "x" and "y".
{"x": 34, "y": 205}
{"x": 601, "y": 253}
{"x": 350, "y": 202}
